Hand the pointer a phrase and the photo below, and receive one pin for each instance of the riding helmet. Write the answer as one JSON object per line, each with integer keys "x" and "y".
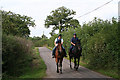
{"x": 74, "y": 34}
{"x": 60, "y": 35}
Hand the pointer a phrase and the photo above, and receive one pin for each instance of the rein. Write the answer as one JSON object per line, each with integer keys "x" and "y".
{"x": 76, "y": 48}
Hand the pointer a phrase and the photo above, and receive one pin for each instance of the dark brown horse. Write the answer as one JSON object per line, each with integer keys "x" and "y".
{"x": 59, "y": 54}
{"x": 76, "y": 53}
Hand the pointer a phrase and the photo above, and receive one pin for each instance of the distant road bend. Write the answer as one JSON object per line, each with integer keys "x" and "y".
{"x": 82, "y": 72}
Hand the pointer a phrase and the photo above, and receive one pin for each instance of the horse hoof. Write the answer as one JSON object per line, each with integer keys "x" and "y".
{"x": 60, "y": 72}
{"x": 57, "y": 71}
{"x": 76, "y": 69}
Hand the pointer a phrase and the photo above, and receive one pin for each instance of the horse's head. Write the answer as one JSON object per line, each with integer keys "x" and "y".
{"x": 58, "y": 42}
{"x": 59, "y": 46}
{"x": 77, "y": 47}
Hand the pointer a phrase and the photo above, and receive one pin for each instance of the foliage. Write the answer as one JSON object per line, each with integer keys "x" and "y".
{"x": 38, "y": 69}
{"x": 34, "y": 39}
{"x": 39, "y": 41}
{"x": 44, "y": 36}
{"x": 16, "y": 54}
{"x": 51, "y": 40}
{"x": 61, "y": 19}
{"x": 99, "y": 41}
{"x": 15, "y": 24}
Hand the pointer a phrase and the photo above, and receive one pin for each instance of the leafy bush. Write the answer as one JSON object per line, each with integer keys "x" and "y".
{"x": 40, "y": 43}
{"x": 16, "y": 24}
{"x": 16, "y": 54}
{"x": 51, "y": 40}
{"x": 99, "y": 41}
{"x": 102, "y": 47}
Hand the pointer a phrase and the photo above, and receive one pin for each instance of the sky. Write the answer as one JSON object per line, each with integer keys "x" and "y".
{"x": 119, "y": 9}
{"x": 40, "y": 9}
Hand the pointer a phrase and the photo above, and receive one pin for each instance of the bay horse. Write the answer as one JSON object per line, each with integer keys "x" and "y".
{"x": 59, "y": 55}
{"x": 76, "y": 53}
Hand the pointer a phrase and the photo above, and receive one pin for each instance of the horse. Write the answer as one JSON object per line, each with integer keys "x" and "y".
{"x": 59, "y": 55}
{"x": 76, "y": 53}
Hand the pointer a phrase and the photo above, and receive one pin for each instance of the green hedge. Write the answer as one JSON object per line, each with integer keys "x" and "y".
{"x": 99, "y": 40}
{"x": 16, "y": 54}
{"x": 40, "y": 43}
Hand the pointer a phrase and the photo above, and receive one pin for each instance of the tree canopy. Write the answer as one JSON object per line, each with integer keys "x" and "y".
{"x": 61, "y": 19}
{"x": 16, "y": 24}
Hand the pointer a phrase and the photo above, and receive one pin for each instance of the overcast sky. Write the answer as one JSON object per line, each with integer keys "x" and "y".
{"x": 39, "y": 9}
{"x": 119, "y": 9}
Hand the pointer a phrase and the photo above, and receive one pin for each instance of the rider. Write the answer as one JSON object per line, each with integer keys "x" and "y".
{"x": 58, "y": 38}
{"x": 73, "y": 41}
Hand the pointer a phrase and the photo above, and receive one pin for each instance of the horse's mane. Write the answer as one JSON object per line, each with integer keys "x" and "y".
{"x": 58, "y": 41}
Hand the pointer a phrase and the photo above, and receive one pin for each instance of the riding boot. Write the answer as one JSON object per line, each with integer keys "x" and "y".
{"x": 53, "y": 53}
{"x": 53, "y": 56}
{"x": 71, "y": 50}
{"x": 65, "y": 53}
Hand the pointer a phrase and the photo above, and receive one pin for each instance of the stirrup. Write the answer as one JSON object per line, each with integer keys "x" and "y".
{"x": 65, "y": 55}
{"x": 53, "y": 56}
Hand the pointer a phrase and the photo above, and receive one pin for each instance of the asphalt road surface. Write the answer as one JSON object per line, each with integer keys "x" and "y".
{"x": 82, "y": 72}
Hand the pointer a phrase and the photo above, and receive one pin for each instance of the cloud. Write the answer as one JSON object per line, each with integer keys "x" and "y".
{"x": 39, "y": 9}
{"x": 119, "y": 9}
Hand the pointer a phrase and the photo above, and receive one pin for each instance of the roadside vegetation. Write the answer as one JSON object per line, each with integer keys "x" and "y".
{"x": 99, "y": 38}
{"x": 99, "y": 41}
{"x": 38, "y": 67}
{"x": 20, "y": 58}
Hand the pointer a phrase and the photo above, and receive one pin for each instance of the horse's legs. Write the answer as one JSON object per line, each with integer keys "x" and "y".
{"x": 78, "y": 63}
{"x": 74, "y": 62}
{"x": 61, "y": 66}
{"x": 70, "y": 62}
{"x": 57, "y": 66}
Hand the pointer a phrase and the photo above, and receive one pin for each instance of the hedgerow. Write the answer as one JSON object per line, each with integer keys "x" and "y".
{"x": 99, "y": 40}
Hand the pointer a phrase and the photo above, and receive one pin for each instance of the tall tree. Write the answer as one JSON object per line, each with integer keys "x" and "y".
{"x": 61, "y": 19}
{"x": 44, "y": 36}
{"x": 16, "y": 24}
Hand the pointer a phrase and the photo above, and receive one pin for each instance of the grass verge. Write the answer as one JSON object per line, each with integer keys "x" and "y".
{"x": 107, "y": 72}
{"x": 49, "y": 48}
{"x": 37, "y": 69}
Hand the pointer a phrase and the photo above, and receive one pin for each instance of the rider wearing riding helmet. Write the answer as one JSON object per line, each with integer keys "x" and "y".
{"x": 73, "y": 41}
{"x": 56, "y": 40}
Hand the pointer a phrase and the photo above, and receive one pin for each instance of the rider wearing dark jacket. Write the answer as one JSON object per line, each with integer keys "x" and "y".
{"x": 73, "y": 41}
